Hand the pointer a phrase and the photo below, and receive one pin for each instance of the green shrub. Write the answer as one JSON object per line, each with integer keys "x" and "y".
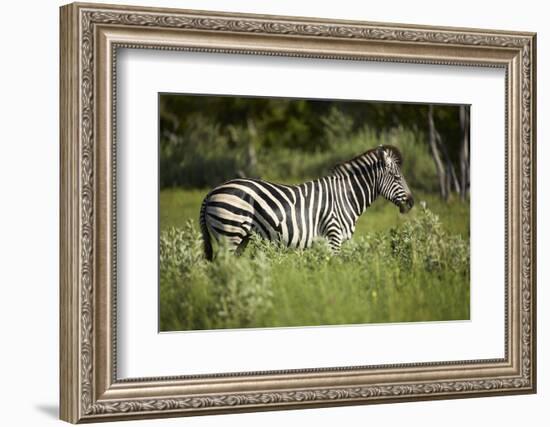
{"x": 204, "y": 295}
{"x": 423, "y": 241}
{"x": 415, "y": 271}
{"x": 241, "y": 290}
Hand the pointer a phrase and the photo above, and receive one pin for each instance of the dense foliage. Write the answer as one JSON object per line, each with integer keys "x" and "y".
{"x": 416, "y": 271}
{"x": 279, "y": 138}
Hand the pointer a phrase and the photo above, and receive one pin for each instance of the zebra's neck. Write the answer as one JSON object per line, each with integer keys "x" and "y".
{"x": 358, "y": 180}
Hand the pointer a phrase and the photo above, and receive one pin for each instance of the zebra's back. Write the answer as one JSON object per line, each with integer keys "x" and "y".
{"x": 286, "y": 213}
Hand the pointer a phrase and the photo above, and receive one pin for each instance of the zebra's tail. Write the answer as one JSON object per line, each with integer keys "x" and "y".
{"x": 208, "y": 252}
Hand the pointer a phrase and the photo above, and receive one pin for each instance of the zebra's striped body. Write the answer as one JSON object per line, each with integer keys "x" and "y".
{"x": 295, "y": 215}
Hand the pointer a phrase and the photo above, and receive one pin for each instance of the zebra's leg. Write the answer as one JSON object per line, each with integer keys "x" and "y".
{"x": 238, "y": 242}
{"x": 242, "y": 246}
{"x": 229, "y": 237}
{"x": 230, "y": 244}
{"x": 334, "y": 236}
{"x": 335, "y": 244}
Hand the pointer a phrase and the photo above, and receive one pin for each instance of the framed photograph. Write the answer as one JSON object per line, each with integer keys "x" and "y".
{"x": 265, "y": 212}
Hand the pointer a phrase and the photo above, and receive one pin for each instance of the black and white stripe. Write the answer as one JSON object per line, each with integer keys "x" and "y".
{"x": 297, "y": 214}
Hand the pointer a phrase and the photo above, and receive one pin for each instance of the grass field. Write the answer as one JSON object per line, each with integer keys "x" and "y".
{"x": 397, "y": 268}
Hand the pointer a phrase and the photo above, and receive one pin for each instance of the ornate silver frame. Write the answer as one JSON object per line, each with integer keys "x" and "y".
{"x": 90, "y": 36}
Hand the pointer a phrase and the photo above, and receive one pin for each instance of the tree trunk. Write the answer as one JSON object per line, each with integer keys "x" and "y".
{"x": 451, "y": 179}
{"x": 251, "y": 149}
{"x": 436, "y": 154}
{"x": 464, "y": 152}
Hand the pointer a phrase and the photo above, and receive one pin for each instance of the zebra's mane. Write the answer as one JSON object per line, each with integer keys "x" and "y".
{"x": 389, "y": 149}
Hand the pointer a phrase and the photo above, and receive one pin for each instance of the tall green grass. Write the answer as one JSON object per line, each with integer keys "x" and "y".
{"x": 204, "y": 156}
{"x": 415, "y": 270}
{"x": 418, "y": 167}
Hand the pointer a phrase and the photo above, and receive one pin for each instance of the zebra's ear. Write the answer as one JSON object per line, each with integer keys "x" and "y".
{"x": 381, "y": 154}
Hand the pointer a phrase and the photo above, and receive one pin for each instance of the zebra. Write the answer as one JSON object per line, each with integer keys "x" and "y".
{"x": 295, "y": 215}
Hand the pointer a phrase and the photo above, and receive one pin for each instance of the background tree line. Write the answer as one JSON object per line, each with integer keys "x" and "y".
{"x": 206, "y": 140}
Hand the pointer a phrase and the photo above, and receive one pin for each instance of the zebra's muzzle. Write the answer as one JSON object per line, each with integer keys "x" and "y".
{"x": 407, "y": 205}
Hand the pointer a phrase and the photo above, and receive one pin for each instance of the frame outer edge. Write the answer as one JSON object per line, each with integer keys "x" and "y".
{"x": 77, "y": 338}
{"x": 533, "y": 208}
{"x": 304, "y": 19}
{"x": 69, "y": 355}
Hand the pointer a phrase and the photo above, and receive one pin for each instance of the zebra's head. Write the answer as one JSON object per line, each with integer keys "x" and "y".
{"x": 392, "y": 184}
